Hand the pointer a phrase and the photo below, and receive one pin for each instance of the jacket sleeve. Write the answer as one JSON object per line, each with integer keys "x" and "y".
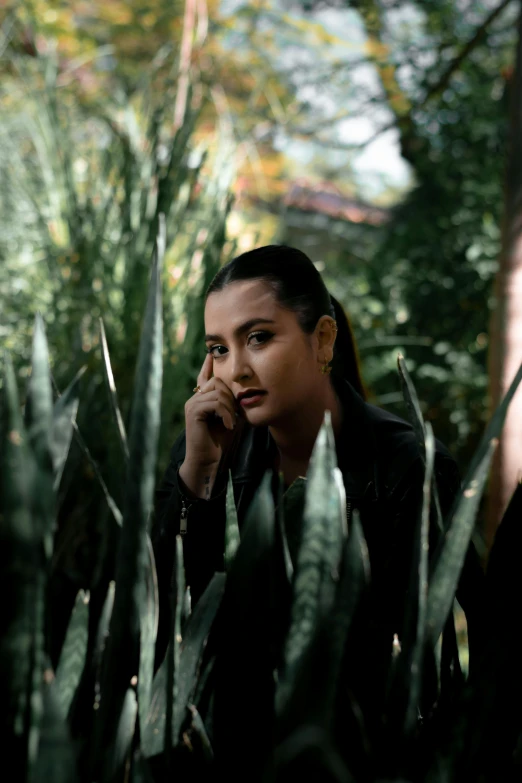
{"x": 203, "y": 542}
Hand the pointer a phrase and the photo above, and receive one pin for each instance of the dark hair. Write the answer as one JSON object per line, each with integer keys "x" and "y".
{"x": 299, "y": 287}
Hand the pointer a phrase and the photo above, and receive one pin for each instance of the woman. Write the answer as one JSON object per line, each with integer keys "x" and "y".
{"x": 273, "y": 334}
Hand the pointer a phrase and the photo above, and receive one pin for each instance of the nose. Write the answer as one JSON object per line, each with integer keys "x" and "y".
{"x": 239, "y": 367}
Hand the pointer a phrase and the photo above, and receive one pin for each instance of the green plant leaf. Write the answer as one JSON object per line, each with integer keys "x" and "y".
{"x": 119, "y": 751}
{"x": 121, "y": 658}
{"x": 318, "y": 558}
{"x": 419, "y": 427}
{"x": 74, "y": 650}
{"x": 406, "y": 674}
{"x": 64, "y": 415}
{"x": 452, "y": 553}
{"x": 245, "y": 640}
{"x": 56, "y": 760}
{"x": 113, "y": 397}
{"x": 149, "y": 618}
{"x": 231, "y": 525}
{"x": 21, "y": 566}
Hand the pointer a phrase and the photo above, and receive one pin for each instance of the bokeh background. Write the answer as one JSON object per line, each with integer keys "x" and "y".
{"x": 372, "y": 134}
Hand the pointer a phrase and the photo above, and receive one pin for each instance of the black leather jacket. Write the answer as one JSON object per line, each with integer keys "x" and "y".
{"x": 383, "y": 476}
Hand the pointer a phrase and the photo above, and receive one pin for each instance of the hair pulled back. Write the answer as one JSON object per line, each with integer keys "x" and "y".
{"x": 299, "y": 287}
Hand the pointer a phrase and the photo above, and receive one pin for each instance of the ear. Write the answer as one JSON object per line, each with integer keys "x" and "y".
{"x": 326, "y": 333}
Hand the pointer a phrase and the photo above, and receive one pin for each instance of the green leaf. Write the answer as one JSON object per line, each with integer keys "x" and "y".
{"x": 452, "y": 553}
{"x": 21, "y": 566}
{"x": 281, "y": 537}
{"x": 119, "y": 751}
{"x": 318, "y": 558}
{"x": 113, "y": 397}
{"x": 406, "y": 673}
{"x": 315, "y": 687}
{"x": 121, "y": 659}
{"x": 231, "y": 525}
{"x": 148, "y": 631}
{"x": 187, "y": 609}
{"x": 419, "y": 427}
{"x": 64, "y": 415}
{"x": 74, "y": 650}
{"x": 39, "y": 403}
{"x": 56, "y": 759}
{"x": 198, "y": 727}
{"x": 245, "y": 640}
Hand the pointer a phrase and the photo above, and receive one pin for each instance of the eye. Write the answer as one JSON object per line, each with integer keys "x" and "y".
{"x": 262, "y": 336}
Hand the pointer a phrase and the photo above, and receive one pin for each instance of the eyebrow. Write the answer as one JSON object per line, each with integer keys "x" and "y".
{"x": 242, "y": 328}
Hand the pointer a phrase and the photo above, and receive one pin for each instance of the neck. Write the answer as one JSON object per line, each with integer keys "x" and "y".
{"x": 295, "y": 437}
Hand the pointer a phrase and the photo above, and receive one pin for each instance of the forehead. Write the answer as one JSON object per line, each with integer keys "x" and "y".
{"x": 239, "y": 301}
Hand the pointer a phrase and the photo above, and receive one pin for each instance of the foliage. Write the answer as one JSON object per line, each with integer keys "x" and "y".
{"x": 259, "y": 679}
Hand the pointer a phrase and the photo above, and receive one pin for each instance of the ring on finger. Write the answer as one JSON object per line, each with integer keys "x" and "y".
{"x": 196, "y": 389}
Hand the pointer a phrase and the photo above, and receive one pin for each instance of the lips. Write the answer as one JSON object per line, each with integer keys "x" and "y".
{"x": 249, "y": 394}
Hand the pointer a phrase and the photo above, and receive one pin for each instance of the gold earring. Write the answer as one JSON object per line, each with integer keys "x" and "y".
{"x": 326, "y": 369}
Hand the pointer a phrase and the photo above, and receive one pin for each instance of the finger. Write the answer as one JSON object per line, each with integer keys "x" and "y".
{"x": 205, "y": 374}
{"x": 217, "y": 400}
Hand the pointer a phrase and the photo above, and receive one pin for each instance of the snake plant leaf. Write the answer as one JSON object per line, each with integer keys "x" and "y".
{"x": 315, "y": 687}
{"x": 56, "y": 758}
{"x": 419, "y": 427}
{"x": 245, "y": 644}
{"x": 192, "y": 645}
{"x": 231, "y": 525}
{"x": 21, "y": 565}
{"x": 404, "y": 688}
{"x": 156, "y": 724}
{"x": 149, "y": 617}
{"x": 64, "y": 415}
{"x": 119, "y": 751}
{"x": 39, "y": 403}
{"x": 281, "y": 536}
{"x": 102, "y": 632}
{"x": 187, "y": 609}
{"x": 113, "y": 397}
{"x": 198, "y": 727}
{"x": 452, "y": 554}
{"x": 318, "y": 558}
{"x": 491, "y": 433}
{"x": 74, "y": 650}
{"x": 121, "y": 657}
{"x": 38, "y": 423}
{"x": 116, "y": 513}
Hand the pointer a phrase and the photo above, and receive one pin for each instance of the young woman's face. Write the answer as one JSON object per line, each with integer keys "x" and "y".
{"x": 272, "y": 354}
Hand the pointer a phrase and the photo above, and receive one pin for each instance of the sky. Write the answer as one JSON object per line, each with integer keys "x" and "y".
{"x": 376, "y": 166}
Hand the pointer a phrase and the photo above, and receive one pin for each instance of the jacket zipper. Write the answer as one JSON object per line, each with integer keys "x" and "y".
{"x": 183, "y": 517}
{"x": 348, "y": 514}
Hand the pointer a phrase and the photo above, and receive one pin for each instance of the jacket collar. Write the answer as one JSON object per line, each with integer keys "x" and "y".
{"x": 357, "y": 448}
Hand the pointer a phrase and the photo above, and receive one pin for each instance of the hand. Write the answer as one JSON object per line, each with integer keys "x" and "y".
{"x": 210, "y": 417}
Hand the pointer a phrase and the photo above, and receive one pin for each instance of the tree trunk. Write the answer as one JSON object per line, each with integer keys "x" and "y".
{"x": 505, "y": 343}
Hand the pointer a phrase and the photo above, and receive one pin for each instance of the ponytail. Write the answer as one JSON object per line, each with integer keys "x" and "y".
{"x": 345, "y": 362}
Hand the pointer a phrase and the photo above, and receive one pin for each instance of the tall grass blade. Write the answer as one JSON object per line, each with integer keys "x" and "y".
{"x": 64, "y": 415}
{"x": 121, "y": 659}
{"x": 113, "y": 397}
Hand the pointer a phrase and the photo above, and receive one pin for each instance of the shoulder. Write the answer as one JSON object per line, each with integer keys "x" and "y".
{"x": 399, "y": 454}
